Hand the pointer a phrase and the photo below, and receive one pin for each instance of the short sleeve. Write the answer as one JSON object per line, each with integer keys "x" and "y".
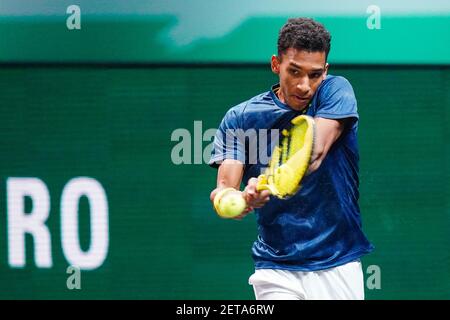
{"x": 337, "y": 100}
{"x": 228, "y": 143}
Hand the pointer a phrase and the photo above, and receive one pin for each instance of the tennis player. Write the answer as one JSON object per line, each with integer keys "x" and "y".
{"x": 308, "y": 246}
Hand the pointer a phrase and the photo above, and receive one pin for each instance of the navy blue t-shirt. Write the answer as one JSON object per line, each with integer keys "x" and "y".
{"x": 320, "y": 226}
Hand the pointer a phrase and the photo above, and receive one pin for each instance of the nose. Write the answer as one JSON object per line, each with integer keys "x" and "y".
{"x": 303, "y": 86}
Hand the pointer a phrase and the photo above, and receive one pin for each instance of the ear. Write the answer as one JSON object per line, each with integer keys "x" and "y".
{"x": 275, "y": 64}
{"x": 325, "y": 72}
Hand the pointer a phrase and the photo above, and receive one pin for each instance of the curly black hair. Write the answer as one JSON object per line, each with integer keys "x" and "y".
{"x": 304, "y": 34}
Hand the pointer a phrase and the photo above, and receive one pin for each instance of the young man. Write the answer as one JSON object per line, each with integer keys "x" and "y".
{"x": 308, "y": 246}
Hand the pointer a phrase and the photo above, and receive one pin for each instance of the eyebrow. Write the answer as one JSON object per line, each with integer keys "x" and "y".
{"x": 300, "y": 67}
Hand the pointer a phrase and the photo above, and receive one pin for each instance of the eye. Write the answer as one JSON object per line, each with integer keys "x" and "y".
{"x": 295, "y": 72}
{"x": 315, "y": 75}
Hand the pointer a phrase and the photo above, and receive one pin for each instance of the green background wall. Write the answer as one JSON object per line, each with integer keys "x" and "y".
{"x": 165, "y": 242}
{"x": 401, "y": 40}
{"x": 198, "y": 31}
{"x": 103, "y": 101}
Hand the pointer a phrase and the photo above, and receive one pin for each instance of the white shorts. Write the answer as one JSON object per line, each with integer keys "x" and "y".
{"x": 344, "y": 282}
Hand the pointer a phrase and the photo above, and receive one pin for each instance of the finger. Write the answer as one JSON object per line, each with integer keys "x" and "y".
{"x": 260, "y": 202}
{"x": 262, "y": 197}
{"x": 265, "y": 194}
{"x": 254, "y": 194}
{"x": 249, "y": 197}
{"x": 251, "y": 185}
{"x": 253, "y": 182}
{"x": 258, "y": 199}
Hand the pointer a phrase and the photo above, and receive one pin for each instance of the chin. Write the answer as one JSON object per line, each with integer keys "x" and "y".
{"x": 299, "y": 107}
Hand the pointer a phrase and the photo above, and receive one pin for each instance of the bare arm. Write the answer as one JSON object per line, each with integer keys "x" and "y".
{"x": 229, "y": 175}
{"x": 327, "y": 132}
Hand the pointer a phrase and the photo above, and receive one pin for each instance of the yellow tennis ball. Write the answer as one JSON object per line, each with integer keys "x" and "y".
{"x": 231, "y": 205}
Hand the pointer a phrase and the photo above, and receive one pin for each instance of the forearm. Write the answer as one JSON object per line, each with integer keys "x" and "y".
{"x": 327, "y": 132}
{"x": 316, "y": 159}
{"x": 229, "y": 176}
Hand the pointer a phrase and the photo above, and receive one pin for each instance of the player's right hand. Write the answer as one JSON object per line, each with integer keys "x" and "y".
{"x": 254, "y": 198}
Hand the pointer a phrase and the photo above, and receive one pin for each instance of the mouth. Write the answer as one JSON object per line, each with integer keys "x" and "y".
{"x": 301, "y": 99}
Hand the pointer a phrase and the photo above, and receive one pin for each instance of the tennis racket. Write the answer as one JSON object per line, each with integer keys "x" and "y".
{"x": 288, "y": 165}
{"x": 290, "y": 159}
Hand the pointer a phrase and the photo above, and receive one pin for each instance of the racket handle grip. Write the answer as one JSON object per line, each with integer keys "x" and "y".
{"x": 263, "y": 184}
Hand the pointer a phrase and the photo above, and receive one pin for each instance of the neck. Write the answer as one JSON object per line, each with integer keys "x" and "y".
{"x": 280, "y": 95}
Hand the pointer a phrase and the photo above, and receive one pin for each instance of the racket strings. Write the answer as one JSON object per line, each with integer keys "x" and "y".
{"x": 290, "y": 159}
